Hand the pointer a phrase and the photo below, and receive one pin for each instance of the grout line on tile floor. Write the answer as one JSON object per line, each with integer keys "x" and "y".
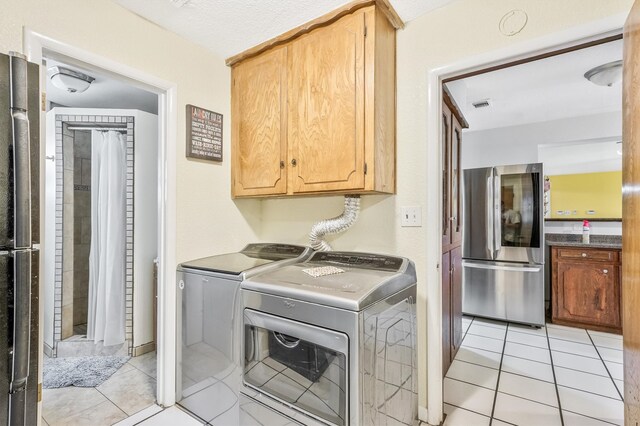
{"x": 524, "y": 344}
{"x": 580, "y": 371}
{"x": 465, "y": 409}
{"x": 555, "y": 380}
{"x": 527, "y": 399}
{"x": 485, "y": 337}
{"x": 590, "y": 417}
{"x": 194, "y": 415}
{"x": 573, "y": 353}
{"x": 606, "y": 368}
{"x": 482, "y": 349}
{"x": 495, "y": 394}
{"x": 468, "y": 383}
{"x": 527, "y": 359}
{"x": 591, "y": 393}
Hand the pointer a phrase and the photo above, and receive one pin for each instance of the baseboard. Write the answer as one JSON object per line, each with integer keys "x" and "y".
{"x": 143, "y": 349}
{"x": 423, "y": 414}
{"x": 48, "y": 350}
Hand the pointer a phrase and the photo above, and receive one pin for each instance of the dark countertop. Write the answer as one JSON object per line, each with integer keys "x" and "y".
{"x": 575, "y": 240}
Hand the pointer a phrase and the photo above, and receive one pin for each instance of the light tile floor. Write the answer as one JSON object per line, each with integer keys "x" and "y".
{"x": 246, "y": 412}
{"x": 513, "y": 374}
{"x": 128, "y": 391}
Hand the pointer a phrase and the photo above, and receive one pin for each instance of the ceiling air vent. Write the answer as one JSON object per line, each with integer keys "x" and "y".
{"x": 481, "y": 104}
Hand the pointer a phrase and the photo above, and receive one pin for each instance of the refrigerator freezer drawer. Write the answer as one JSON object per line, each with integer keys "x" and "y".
{"x": 510, "y": 292}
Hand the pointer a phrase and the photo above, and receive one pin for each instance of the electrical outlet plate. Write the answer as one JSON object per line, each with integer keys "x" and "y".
{"x": 411, "y": 216}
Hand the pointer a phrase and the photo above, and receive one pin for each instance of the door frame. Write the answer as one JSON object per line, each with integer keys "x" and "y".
{"x": 433, "y": 413}
{"x": 35, "y": 46}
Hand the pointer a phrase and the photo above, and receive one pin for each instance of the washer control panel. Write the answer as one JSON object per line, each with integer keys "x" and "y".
{"x": 359, "y": 260}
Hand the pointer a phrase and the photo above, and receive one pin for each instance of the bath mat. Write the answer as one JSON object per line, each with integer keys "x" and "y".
{"x": 83, "y": 371}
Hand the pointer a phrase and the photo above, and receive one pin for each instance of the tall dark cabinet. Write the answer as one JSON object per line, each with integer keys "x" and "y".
{"x": 452, "y": 124}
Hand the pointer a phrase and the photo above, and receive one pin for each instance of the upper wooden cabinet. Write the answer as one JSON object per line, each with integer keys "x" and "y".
{"x": 452, "y": 124}
{"x": 316, "y": 114}
{"x": 259, "y": 126}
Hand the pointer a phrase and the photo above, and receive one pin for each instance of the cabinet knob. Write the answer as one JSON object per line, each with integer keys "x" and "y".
{"x": 584, "y": 254}
{"x": 453, "y": 218}
{"x": 294, "y": 162}
{"x": 281, "y": 164}
{"x": 605, "y": 271}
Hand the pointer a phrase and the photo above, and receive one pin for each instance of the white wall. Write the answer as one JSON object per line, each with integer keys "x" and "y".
{"x": 461, "y": 29}
{"x": 587, "y": 157}
{"x": 521, "y": 144}
{"x": 48, "y": 258}
{"x": 207, "y": 219}
{"x": 145, "y": 223}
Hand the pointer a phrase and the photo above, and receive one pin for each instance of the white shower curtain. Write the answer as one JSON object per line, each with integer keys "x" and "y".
{"x": 106, "y": 310}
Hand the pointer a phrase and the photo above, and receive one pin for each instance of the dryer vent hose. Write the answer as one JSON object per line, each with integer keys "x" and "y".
{"x": 335, "y": 225}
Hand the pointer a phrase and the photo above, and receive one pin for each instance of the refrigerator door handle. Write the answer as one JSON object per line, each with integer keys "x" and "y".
{"x": 490, "y": 215}
{"x": 501, "y": 267}
{"x": 497, "y": 217}
{"x": 21, "y": 332}
{"x": 21, "y": 153}
{"x": 21, "y": 318}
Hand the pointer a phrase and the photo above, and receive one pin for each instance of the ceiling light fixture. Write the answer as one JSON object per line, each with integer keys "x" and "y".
{"x": 70, "y": 80}
{"x": 606, "y": 74}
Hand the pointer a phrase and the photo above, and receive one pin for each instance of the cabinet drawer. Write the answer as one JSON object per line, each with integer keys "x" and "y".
{"x": 588, "y": 254}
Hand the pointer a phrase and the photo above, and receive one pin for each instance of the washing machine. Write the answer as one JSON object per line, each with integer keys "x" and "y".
{"x": 209, "y": 312}
{"x": 331, "y": 340}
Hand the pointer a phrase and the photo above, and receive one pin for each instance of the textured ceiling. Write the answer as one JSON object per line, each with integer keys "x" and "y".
{"x": 548, "y": 89}
{"x": 104, "y": 92}
{"x": 228, "y": 27}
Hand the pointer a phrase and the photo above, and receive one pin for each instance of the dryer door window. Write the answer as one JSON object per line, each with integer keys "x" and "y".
{"x": 296, "y": 363}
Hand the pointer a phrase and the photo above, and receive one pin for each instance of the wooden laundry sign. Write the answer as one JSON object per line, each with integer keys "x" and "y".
{"x": 204, "y": 134}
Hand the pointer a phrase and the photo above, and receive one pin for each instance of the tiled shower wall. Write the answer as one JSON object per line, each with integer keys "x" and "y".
{"x": 81, "y": 224}
{"x": 66, "y": 311}
{"x": 65, "y": 257}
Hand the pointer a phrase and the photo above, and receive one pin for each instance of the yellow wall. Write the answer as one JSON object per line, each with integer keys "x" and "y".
{"x": 601, "y": 192}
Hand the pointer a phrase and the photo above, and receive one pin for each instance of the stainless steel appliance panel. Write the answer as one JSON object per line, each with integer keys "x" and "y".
{"x": 478, "y": 213}
{"x": 19, "y": 231}
{"x": 519, "y": 213}
{"x": 6, "y": 157}
{"x": 6, "y": 318}
{"x": 210, "y": 335}
{"x": 299, "y": 364}
{"x": 506, "y": 291}
{"x": 381, "y": 342}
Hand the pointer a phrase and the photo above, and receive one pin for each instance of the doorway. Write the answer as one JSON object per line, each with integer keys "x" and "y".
{"x": 578, "y": 368}
{"x": 39, "y": 47}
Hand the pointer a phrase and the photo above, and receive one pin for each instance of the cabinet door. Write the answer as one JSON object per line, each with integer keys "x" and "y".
{"x": 259, "y": 125}
{"x": 588, "y": 293}
{"x": 446, "y": 313}
{"x": 326, "y": 107}
{"x": 446, "y": 176}
{"x": 456, "y": 300}
{"x": 455, "y": 179}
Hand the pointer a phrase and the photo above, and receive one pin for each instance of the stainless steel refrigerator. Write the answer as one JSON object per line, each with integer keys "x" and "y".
{"x": 503, "y": 243}
{"x": 19, "y": 236}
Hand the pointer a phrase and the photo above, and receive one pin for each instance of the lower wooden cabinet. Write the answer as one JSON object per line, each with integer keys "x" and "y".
{"x": 586, "y": 288}
{"x": 451, "y": 305}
